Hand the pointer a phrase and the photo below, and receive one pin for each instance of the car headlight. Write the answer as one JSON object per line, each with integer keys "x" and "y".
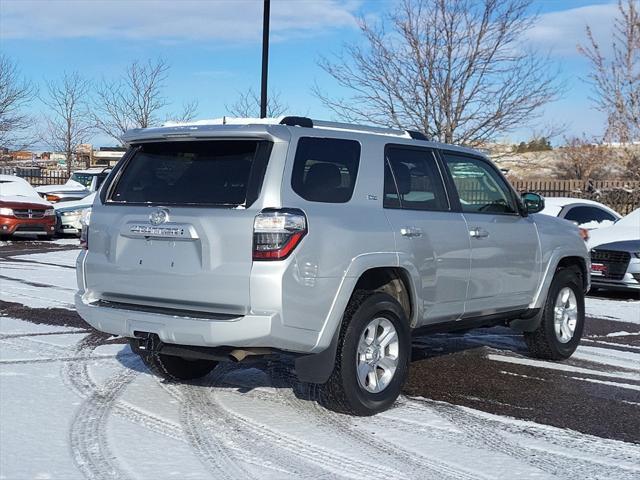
{"x": 6, "y": 212}
{"x": 49, "y": 212}
{"x": 71, "y": 213}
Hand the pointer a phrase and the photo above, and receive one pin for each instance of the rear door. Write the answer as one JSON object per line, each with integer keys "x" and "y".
{"x": 431, "y": 237}
{"x": 174, "y": 228}
{"x": 505, "y": 253}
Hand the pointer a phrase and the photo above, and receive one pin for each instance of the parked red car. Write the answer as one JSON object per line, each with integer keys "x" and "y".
{"x": 22, "y": 211}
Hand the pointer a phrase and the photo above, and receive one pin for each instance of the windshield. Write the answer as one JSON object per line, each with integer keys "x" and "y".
{"x": 82, "y": 178}
{"x": 218, "y": 172}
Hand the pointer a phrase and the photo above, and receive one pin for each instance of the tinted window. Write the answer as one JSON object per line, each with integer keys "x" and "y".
{"x": 325, "y": 169}
{"x": 181, "y": 173}
{"x": 480, "y": 187}
{"x": 412, "y": 180}
{"x": 582, "y": 215}
{"x": 82, "y": 178}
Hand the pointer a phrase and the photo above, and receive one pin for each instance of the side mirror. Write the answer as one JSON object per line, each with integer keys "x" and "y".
{"x": 533, "y": 202}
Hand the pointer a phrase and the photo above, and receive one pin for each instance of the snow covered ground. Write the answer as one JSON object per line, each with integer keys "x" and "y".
{"x": 74, "y": 404}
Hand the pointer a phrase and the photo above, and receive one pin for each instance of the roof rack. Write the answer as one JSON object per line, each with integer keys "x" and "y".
{"x": 309, "y": 123}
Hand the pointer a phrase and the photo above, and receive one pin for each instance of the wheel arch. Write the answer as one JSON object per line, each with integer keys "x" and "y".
{"x": 561, "y": 259}
{"x": 395, "y": 281}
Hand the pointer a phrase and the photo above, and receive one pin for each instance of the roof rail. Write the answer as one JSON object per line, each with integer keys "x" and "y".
{"x": 309, "y": 123}
{"x": 417, "y": 135}
{"x": 297, "y": 122}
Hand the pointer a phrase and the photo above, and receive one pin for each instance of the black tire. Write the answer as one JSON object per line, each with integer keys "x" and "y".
{"x": 543, "y": 342}
{"x": 177, "y": 368}
{"x": 343, "y": 392}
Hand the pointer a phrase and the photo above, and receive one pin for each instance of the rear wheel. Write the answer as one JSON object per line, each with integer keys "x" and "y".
{"x": 372, "y": 358}
{"x": 562, "y": 323}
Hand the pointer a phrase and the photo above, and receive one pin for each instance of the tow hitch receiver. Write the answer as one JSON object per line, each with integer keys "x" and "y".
{"x": 146, "y": 343}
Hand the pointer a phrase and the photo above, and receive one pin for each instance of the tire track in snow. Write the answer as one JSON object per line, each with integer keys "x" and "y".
{"x": 87, "y": 436}
{"x": 210, "y": 444}
{"x": 300, "y": 458}
{"x": 210, "y": 428}
{"x": 489, "y": 432}
{"x": 89, "y": 446}
{"x": 420, "y": 466}
{"x": 76, "y": 377}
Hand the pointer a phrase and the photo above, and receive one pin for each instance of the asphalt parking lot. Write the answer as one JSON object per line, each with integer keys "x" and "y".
{"x": 478, "y": 390}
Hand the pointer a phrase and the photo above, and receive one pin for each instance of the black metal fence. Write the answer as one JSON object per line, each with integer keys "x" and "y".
{"x": 623, "y": 196}
{"x": 36, "y": 176}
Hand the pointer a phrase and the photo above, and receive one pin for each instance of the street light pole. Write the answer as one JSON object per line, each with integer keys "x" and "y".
{"x": 265, "y": 58}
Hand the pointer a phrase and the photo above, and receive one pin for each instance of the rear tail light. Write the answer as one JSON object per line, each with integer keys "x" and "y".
{"x": 85, "y": 217}
{"x": 51, "y": 198}
{"x": 276, "y": 233}
{"x": 84, "y": 237}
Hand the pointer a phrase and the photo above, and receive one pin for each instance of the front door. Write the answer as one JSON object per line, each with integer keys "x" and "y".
{"x": 432, "y": 239}
{"x": 505, "y": 254}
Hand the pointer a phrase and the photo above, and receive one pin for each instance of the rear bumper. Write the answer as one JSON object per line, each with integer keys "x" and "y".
{"x": 243, "y": 331}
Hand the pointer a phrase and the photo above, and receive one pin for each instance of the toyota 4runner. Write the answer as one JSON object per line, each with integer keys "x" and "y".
{"x": 330, "y": 242}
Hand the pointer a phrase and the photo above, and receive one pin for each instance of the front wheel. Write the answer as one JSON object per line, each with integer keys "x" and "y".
{"x": 562, "y": 323}
{"x": 373, "y": 355}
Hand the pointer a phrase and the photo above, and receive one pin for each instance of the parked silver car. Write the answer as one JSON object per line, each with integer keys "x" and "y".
{"x": 81, "y": 184}
{"x": 330, "y": 242}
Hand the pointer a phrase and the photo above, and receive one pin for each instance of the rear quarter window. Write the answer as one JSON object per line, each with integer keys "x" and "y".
{"x": 325, "y": 169}
{"x": 217, "y": 172}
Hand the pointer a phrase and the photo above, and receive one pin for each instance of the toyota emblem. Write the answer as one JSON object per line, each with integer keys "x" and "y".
{"x": 159, "y": 217}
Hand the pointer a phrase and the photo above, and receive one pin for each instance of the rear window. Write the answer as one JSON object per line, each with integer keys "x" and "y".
{"x": 219, "y": 172}
{"x": 325, "y": 169}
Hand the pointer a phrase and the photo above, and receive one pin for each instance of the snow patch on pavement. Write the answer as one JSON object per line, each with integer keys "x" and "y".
{"x": 615, "y": 310}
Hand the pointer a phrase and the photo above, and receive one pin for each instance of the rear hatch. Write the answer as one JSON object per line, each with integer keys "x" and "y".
{"x": 174, "y": 228}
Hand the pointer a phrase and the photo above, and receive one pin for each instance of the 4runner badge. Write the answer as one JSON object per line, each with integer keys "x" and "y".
{"x": 159, "y": 217}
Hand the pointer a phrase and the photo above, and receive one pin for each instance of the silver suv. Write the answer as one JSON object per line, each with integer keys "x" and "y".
{"x": 329, "y": 242}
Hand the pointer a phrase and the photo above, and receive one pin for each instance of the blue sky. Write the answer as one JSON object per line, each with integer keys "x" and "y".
{"x": 213, "y": 47}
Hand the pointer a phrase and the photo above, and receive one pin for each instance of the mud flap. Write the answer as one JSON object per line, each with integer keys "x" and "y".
{"x": 317, "y": 368}
{"x": 528, "y": 322}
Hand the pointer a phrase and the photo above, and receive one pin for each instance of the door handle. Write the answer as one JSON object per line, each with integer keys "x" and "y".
{"x": 478, "y": 232}
{"x": 411, "y": 232}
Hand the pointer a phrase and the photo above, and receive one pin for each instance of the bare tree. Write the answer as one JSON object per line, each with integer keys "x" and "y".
{"x": 68, "y": 123}
{"x": 582, "y": 159}
{"x": 15, "y": 93}
{"x": 247, "y": 105}
{"x": 454, "y": 69}
{"x": 133, "y": 100}
{"x": 616, "y": 80}
{"x": 188, "y": 113}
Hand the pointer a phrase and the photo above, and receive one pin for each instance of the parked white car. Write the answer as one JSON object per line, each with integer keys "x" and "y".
{"x": 80, "y": 184}
{"x": 615, "y": 254}
{"x": 70, "y": 214}
{"x": 584, "y": 213}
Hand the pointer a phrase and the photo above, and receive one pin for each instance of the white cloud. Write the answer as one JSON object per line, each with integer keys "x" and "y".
{"x": 562, "y": 31}
{"x": 223, "y": 20}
